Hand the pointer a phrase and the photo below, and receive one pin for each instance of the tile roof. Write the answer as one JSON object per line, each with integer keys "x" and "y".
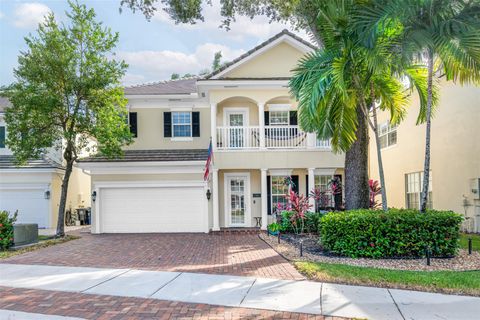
{"x": 182, "y": 86}
{"x": 154, "y": 155}
{"x": 8, "y": 162}
{"x": 4, "y": 102}
{"x": 260, "y": 46}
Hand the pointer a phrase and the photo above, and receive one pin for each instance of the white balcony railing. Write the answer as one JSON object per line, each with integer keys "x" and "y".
{"x": 238, "y": 137}
{"x": 275, "y": 137}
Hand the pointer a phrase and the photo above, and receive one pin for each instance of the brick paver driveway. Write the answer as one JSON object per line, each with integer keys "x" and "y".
{"x": 234, "y": 254}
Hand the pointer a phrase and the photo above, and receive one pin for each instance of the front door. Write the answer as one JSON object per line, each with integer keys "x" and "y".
{"x": 236, "y": 123}
{"x": 237, "y": 200}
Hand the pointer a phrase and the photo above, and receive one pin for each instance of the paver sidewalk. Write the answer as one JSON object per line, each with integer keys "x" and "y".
{"x": 246, "y": 292}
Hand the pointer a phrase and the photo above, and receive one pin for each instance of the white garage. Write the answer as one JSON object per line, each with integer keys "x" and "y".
{"x": 143, "y": 209}
{"x": 29, "y": 201}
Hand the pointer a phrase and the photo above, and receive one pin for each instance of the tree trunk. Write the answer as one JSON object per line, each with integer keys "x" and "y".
{"x": 357, "y": 193}
{"x": 426, "y": 166}
{"x": 63, "y": 196}
{"x": 380, "y": 161}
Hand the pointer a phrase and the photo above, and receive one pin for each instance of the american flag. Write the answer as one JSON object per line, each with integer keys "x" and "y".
{"x": 209, "y": 161}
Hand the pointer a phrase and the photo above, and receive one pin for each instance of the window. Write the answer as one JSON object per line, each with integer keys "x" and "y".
{"x": 322, "y": 183}
{"x": 182, "y": 124}
{"x": 387, "y": 134}
{"x": 279, "y": 118}
{"x": 279, "y": 189}
{"x": 2, "y": 137}
{"x": 414, "y": 182}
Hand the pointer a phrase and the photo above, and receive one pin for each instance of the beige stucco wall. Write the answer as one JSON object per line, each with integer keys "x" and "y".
{"x": 278, "y": 159}
{"x": 275, "y": 62}
{"x": 455, "y": 151}
{"x": 150, "y": 131}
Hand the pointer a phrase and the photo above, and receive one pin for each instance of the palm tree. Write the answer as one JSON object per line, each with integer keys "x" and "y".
{"x": 337, "y": 85}
{"x": 445, "y": 33}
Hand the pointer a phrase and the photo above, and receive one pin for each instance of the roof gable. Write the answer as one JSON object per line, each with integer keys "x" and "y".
{"x": 275, "y": 57}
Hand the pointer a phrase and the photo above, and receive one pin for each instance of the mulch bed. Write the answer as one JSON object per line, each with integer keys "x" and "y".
{"x": 290, "y": 244}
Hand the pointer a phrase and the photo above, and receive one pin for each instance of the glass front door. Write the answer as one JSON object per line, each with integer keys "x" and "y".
{"x": 237, "y": 205}
{"x": 236, "y": 122}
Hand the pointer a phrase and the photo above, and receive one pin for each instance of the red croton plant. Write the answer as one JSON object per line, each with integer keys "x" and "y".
{"x": 299, "y": 205}
{"x": 375, "y": 190}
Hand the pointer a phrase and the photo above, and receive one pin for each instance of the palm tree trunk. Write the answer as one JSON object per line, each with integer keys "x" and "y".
{"x": 379, "y": 159}
{"x": 426, "y": 167}
{"x": 356, "y": 168}
{"x": 63, "y": 197}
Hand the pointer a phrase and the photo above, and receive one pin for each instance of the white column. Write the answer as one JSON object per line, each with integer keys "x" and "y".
{"x": 311, "y": 140}
{"x": 264, "y": 199}
{"x": 311, "y": 185}
{"x": 213, "y": 124}
{"x": 261, "y": 120}
{"x": 96, "y": 229}
{"x": 215, "y": 200}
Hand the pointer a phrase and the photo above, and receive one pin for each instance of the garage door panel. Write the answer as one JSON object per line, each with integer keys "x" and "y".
{"x": 131, "y": 210}
{"x": 31, "y": 205}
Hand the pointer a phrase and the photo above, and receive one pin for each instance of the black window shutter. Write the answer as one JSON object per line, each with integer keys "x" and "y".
{"x": 295, "y": 184}
{"x": 269, "y": 195}
{"x": 267, "y": 118}
{"x": 133, "y": 123}
{"x": 293, "y": 118}
{"x": 167, "y": 124}
{"x": 196, "y": 124}
{"x": 306, "y": 185}
{"x": 2, "y": 137}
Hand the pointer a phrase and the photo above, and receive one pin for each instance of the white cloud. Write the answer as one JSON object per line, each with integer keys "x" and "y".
{"x": 29, "y": 15}
{"x": 1, "y": 15}
{"x": 258, "y": 27}
{"x": 150, "y": 65}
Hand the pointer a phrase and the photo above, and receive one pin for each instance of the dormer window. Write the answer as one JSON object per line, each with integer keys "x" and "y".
{"x": 182, "y": 124}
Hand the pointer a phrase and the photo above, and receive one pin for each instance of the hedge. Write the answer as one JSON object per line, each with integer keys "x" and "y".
{"x": 392, "y": 234}
{"x": 6, "y": 229}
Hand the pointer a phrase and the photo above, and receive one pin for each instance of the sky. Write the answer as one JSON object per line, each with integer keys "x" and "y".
{"x": 153, "y": 49}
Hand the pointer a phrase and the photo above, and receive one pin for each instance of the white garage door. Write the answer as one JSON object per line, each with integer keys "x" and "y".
{"x": 152, "y": 209}
{"x": 31, "y": 205}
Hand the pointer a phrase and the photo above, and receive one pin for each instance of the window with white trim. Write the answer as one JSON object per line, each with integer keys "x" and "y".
{"x": 413, "y": 188}
{"x": 279, "y": 189}
{"x": 387, "y": 133}
{"x": 279, "y": 118}
{"x": 322, "y": 183}
{"x": 182, "y": 124}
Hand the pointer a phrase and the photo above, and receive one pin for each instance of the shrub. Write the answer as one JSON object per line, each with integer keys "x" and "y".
{"x": 396, "y": 233}
{"x": 311, "y": 222}
{"x": 6, "y": 229}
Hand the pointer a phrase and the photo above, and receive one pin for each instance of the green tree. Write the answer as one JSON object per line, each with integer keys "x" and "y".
{"x": 339, "y": 85}
{"x": 67, "y": 93}
{"x": 444, "y": 33}
{"x": 216, "y": 64}
{"x": 174, "y": 76}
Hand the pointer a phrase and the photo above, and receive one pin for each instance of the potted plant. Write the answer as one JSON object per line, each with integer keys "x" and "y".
{"x": 273, "y": 228}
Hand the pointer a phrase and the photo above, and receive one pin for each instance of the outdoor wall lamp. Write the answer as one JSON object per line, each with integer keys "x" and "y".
{"x": 47, "y": 194}
{"x": 94, "y": 196}
{"x": 209, "y": 194}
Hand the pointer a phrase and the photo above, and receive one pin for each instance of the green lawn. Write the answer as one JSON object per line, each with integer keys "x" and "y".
{"x": 475, "y": 241}
{"x": 466, "y": 282}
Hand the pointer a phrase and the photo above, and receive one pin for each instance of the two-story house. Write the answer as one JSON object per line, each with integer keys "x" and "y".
{"x": 34, "y": 189}
{"x": 455, "y": 155}
{"x": 246, "y": 110}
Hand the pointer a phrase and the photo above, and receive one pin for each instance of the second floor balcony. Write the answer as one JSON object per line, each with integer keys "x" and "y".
{"x": 267, "y": 137}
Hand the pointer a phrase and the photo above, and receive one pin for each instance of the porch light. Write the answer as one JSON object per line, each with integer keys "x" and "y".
{"x": 94, "y": 196}
{"x": 209, "y": 194}
{"x": 47, "y": 194}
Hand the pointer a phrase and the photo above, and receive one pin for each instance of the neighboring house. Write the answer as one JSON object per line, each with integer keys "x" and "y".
{"x": 455, "y": 155}
{"x": 34, "y": 189}
{"x": 245, "y": 108}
